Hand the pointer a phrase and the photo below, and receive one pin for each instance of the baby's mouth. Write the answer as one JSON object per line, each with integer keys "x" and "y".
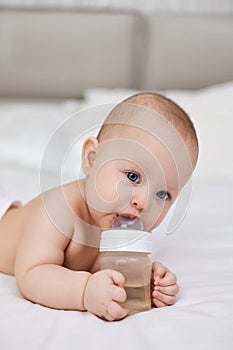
{"x": 127, "y": 216}
{"x": 127, "y": 221}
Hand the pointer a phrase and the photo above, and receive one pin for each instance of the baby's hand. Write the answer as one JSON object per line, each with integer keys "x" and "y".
{"x": 164, "y": 286}
{"x": 104, "y": 290}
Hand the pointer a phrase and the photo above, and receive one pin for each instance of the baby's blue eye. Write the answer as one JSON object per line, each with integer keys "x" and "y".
{"x": 133, "y": 177}
{"x": 163, "y": 195}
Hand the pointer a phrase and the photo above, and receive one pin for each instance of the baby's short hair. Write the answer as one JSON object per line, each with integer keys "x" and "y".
{"x": 161, "y": 105}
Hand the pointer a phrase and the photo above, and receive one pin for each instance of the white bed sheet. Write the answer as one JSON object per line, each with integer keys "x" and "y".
{"x": 199, "y": 251}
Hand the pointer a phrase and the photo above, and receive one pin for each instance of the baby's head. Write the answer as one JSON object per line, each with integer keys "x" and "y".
{"x": 159, "y": 104}
{"x": 143, "y": 155}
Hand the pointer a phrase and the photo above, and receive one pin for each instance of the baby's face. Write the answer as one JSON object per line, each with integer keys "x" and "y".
{"x": 136, "y": 175}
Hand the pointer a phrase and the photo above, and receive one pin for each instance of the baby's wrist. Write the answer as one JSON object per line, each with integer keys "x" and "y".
{"x": 84, "y": 291}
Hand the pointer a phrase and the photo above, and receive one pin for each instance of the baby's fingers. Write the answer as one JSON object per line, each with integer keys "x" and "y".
{"x": 168, "y": 290}
{"x": 167, "y": 280}
{"x": 159, "y": 299}
{"x": 118, "y": 294}
{"x": 115, "y": 312}
{"x": 158, "y": 303}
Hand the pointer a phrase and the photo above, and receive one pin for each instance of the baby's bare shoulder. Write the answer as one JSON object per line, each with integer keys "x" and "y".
{"x": 58, "y": 197}
{"x": 61, "y": 205}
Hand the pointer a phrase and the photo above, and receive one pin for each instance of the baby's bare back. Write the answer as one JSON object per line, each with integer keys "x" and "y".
{"x": 11, "y": 228}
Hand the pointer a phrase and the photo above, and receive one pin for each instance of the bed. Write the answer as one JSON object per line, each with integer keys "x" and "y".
{"x": 200, "y": 249}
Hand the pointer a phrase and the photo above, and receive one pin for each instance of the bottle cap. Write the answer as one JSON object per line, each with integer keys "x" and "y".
{"x": 127, "y": 236}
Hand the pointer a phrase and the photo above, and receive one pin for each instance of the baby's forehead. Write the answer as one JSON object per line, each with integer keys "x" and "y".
{"x": 159, "y": 121}
{"x": 128, "y": 117}
{"x": 145, "y": 150}
{"x": 140, "y": 123}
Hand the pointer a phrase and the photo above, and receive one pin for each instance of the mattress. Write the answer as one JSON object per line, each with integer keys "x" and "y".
{"x": 199, "y": 250}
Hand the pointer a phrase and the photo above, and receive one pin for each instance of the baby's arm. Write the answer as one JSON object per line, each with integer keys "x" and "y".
{"x": 42, "y": 278}
{"x": 38, "y": 267}
{"x": 164, "y": 285}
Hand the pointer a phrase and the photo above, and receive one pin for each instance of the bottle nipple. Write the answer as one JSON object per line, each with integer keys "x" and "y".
{"x": 127, "y": 223}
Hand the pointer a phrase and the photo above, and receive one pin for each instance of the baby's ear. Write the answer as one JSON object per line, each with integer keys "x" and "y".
{"x": 89, "y": 154}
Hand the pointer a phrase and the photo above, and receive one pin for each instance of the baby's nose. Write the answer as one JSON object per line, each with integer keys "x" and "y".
{"x": 140, "y": 199}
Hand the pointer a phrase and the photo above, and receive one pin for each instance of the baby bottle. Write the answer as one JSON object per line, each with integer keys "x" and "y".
{"x": 125, "y": 248}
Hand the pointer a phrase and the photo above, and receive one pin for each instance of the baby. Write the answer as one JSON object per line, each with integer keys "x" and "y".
{"x": 143, "y": 155}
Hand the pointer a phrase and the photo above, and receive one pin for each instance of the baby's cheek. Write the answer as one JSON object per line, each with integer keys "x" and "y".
{"x": 155, "y": 215}
{"x": 106, "y": 189}
{"x": 114, "y": 192}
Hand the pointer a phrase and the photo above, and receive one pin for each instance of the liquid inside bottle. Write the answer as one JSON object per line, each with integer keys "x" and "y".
{"x": 138, "y": 298}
